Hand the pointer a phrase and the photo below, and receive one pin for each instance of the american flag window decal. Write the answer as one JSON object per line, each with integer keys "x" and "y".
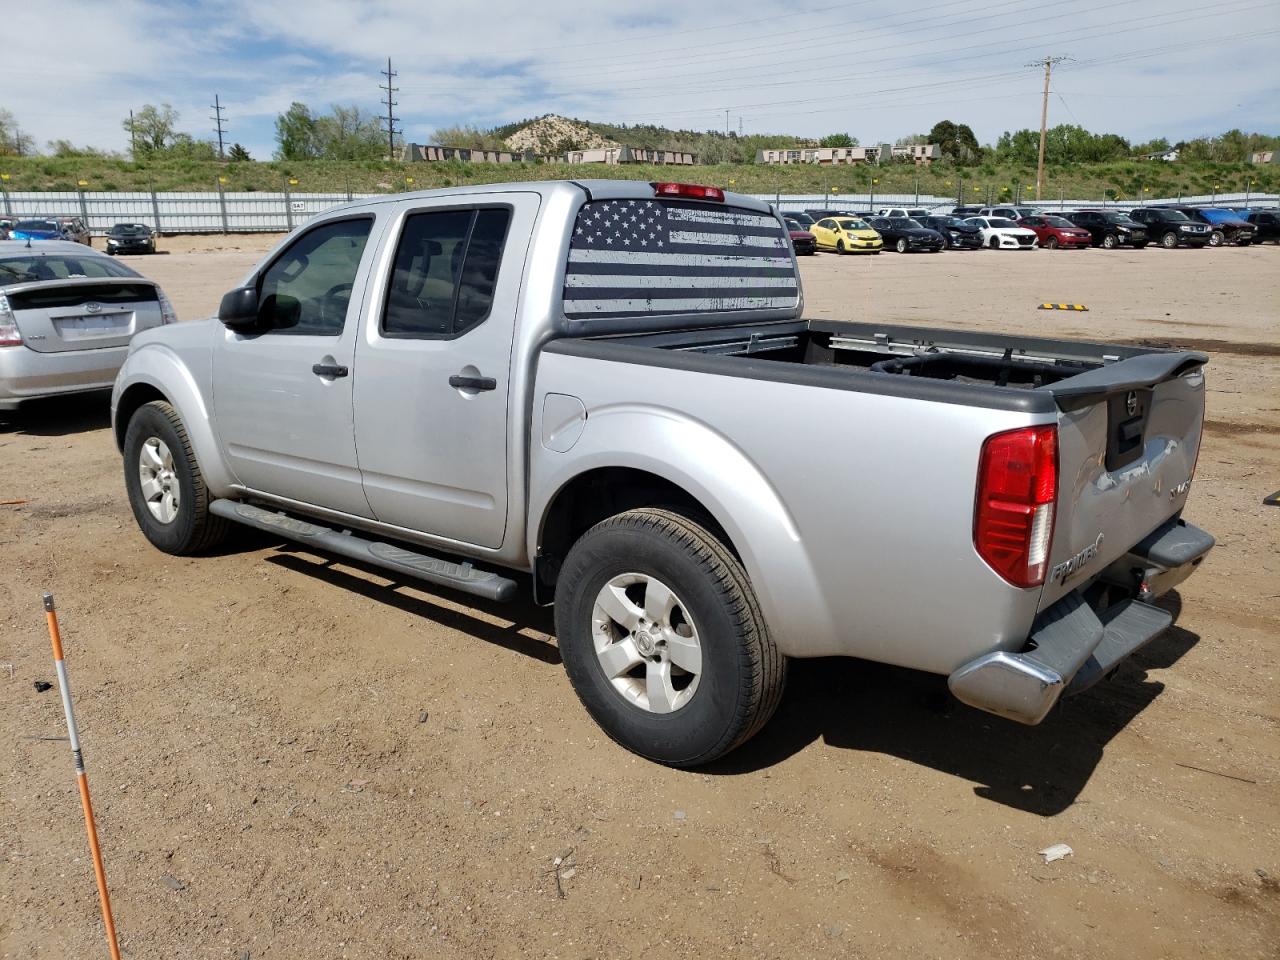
{"x": 635, "y": 258}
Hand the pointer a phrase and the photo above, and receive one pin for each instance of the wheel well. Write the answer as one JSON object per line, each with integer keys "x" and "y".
{"x": 133, "y": 398}
{"x": 599, "y": 494}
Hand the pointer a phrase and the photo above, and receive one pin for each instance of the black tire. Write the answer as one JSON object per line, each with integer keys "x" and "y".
{"x": 901, "y": 245}
{"x": 839, "y": 246}
{"x": 1110, "y": 241}
{"x": 1216, "y": 238}
{"x": 194, "y": 528}
{"x": 743, "y": 672}
{"x": 1169, "y": 241}
{"x": 994, "y": 243}
{"x": 1051, "y": 243}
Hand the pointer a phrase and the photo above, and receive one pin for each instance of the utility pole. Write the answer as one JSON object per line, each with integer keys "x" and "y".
{"x": 133, "y": 138}
{"x": 219, "y": 127}
{"x": 1044, "y": 117}
{"x": 391, "y": 104}
{"x": 726, "y": 121}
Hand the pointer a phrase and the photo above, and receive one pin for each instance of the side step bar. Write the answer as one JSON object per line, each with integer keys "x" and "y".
{"x": 445, "y": 573}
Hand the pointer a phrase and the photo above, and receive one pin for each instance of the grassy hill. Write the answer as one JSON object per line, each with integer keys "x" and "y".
{"x": 1125, "y": 179}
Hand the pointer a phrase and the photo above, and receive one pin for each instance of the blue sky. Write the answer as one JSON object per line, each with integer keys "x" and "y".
{"x": 878, "y": 70}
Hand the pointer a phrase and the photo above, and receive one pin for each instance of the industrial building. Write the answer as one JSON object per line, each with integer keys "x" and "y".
{"x": 617, "y": 155}
{"x": 919, "y": 153}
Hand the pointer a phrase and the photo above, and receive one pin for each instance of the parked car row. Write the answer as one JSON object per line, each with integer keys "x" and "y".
{"x": 121, "y": 238}
{"x": 1026, "y": 228}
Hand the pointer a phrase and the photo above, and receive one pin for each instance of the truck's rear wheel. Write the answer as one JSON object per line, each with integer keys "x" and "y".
{"x": 166, "y": 489}
{"x": 663, "y": 640}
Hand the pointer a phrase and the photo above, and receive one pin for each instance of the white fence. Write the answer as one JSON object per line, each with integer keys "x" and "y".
{"x": 217, "y": 212}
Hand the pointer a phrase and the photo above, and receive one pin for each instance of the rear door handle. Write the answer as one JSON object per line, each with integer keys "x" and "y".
{"x": 473, "y": 383}
{"x": 329, "y": 370}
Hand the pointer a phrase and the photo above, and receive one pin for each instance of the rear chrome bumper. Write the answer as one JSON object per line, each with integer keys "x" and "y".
{"x": 1071, "y": 647}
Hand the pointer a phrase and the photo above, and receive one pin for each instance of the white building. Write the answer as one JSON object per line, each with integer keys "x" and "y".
{"x": 616, "y": 155}
{"x": 919, "y": 153}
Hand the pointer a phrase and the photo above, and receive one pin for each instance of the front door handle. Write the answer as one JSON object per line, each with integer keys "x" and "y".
{"x": 473, "y": 383}
{"x": 333, "y": 370}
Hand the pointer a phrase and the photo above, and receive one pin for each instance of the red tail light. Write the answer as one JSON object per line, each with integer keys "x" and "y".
{"x": 691, "y": 190}
{"x": 1017, "y": 493}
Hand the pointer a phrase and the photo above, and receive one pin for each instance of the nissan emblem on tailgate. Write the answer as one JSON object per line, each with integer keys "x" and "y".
{"x": 95, "y": 307}
{"x": 1130, "y": 402}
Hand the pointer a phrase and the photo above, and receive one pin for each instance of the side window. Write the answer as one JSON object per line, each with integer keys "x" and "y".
{"x": 307, "y": 289}
{"x": 445, "y": 271}
{"x": 1033, "y": 221}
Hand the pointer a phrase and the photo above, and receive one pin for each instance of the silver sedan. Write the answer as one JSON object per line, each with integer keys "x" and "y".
{"x": 67, "y": 314}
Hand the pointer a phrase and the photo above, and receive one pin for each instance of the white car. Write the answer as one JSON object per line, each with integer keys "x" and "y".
{"x": 1010, "y": 212}
{"x": 909, "y": 212}
{"x": 999, "y": 233}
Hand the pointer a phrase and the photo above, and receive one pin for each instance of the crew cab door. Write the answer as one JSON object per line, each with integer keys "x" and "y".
{"x": 434, "y": 365}
{"x": 283, "y": 397}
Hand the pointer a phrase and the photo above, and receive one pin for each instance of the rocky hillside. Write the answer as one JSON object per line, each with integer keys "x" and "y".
{"x": 555, "y": 134}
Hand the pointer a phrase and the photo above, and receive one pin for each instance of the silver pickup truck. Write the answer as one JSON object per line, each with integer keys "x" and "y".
{"x": 604, "y": 392}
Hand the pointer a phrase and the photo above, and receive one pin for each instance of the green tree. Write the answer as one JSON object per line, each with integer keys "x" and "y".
{"x": 838, "y": 140}
{"x": 152, "y": 129}
{"x": 470, "y": 137}
{"x": 296, "y": 134}
{"x": 956, "y": 141}
{"x": 346, "y": 133}
{"x": 13, "y": 142}
{"x": 238, "y": 154}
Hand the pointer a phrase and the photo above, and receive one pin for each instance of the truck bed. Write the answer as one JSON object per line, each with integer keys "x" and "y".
{"x": 856, "y": 448}
{"x": 996, "y": 371}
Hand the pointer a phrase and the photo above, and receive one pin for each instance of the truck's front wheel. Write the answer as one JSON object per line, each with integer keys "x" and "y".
{"x": 663, "y": 640}
{"x": 166, "y": 489}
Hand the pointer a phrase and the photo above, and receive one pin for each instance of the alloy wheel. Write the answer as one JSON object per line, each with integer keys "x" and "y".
{"x": 159, "y": 480}
{"x": 646, "y": 642}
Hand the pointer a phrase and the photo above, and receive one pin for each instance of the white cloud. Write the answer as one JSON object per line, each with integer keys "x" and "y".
{"x": 877, "y": 70}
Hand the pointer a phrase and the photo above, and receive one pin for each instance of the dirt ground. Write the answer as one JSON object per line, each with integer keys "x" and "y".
{"x": 295, "y": 758}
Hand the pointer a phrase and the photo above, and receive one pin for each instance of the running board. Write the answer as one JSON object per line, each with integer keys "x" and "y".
{"x": 445, "y": 573}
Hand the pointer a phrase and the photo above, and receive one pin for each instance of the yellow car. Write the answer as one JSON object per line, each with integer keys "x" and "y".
{"x": 846, "y": 235}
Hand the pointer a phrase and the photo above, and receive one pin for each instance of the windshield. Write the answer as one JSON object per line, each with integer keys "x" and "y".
{"x": 129, "y": 229}
{"x": 29, "y": 268}
{"x": 1001, "y": 222}
{"x": 1218, "y": 216}
{"x": 46, "y": 225}
{"x": 902, "y": 223}
{"x": 1172, "y": 215}
{"x": 1122, "y": 218}
{"x": 1060, "y": 222}
{"x": 952, "y": 221}
{"x": 853, "y": 224}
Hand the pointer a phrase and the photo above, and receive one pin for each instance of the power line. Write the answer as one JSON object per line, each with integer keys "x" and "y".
{"x": 219, "y": 128}
{"x": 391, "y": 104}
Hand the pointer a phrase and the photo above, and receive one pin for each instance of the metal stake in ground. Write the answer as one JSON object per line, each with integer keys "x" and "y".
{"x": 64, "y": 685}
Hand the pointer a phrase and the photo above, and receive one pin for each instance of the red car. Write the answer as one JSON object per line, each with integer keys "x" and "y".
{"x": 1055, "y": 232}
{"x": 806, "y": 243}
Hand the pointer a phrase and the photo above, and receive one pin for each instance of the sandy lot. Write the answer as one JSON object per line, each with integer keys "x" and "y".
{"x": 295, "y": 758}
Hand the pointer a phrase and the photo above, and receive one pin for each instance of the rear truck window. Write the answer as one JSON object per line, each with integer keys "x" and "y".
{"x": 641, "y": 258}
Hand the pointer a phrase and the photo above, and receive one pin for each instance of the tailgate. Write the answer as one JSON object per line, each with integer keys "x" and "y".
{"x": 78, "y": 314}
{"x": 1128, "y": 437}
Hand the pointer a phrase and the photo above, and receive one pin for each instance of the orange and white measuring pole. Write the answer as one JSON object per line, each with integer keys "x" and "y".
{"x": 64, "y": 685}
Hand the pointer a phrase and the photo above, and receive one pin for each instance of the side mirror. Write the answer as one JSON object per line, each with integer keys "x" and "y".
{"x": 239, "y": 309}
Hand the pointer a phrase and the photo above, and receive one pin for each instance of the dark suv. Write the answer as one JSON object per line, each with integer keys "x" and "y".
{"x": 956, "y": 233}
{"x": 1267, "y": 225}
{"x": 1110, "y": 229}
{"x": 1171, "y": 228}
{"x": 1225, "y": 226}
